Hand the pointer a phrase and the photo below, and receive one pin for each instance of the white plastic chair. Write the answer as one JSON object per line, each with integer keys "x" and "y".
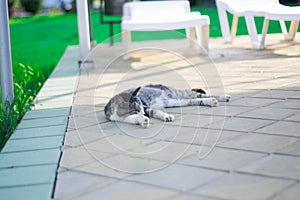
{"x": 249, "y": 9}
{"x": 164, "y": 15}
{"x": 285, "y": 13}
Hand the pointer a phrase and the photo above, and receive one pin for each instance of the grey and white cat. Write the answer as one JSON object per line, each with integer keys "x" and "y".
{"x": 137, "y": 105}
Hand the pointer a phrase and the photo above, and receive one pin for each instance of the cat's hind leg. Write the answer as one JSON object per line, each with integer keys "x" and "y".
{"x": 209, "y": 101}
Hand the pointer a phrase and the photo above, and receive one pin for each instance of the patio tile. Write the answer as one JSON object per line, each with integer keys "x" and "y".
{"x": 282, "y": 128}
{"x": 252, "y": 102}
{"x": 102, "y": 169}
{"x": 117, "y": 144}
{"x": 226, "y": 110}
{"x": 295, "y": 118}
{"x": 21, "y": 176}
{"x": 275, "y": 165}
{"x": 41, "y": 191}
{"x": 47, "y": 113}
{"x": 33, "y": 144}
{"x": 241, "y": 186}
{"x": 27, "y": 158}
{"x": 221, "y": 158}
{"x": 43, "y": 122}
{"x": 184, "y": 196}
{"x": 83, "y": 136}
{"x": 164, "y": 151}
{"x": 195, "y": 120}
{"x": 269, "y": 113}
{"x": 58, "y": 130}
{"x": 82, "y": 122}
{"x": 178, "y": 177}
{"x": 123, "y": 190}
{"x": 259, "y": 142}
{"x": 287, "y": 103}
{"x": 277, "y": 94}
{"x": 240, "y": 124}
{"x": 291, "y": 149}
{"x": 128, "y": 163}
{"x": 74, "y": 157}
{"x": 206, "y": 137}
{"x": 70, "y": 184}
{"x": 291, "y": 193}
{"x": 188, "y": 110}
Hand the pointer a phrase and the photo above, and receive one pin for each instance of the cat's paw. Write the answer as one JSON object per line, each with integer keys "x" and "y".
{"x": 224, "y": 98}
{"x": 213, "y": 102}
{"x": 144, "y": 121}
{"x": 168, "y": 118}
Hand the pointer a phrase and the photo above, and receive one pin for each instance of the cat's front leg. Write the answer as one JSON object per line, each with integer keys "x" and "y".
{"x": 138, "y": 119}
{"x": 224, "y": 98}
{"x": 210, "y": 101}
{"x": 159, "y": 114}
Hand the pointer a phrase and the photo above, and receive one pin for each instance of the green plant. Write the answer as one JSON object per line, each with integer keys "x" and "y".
{"x": 26, "y": 88}
{"x": 32, "y": 6}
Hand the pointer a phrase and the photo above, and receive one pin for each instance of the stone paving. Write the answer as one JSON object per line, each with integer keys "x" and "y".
{"x": 245, "y": 149}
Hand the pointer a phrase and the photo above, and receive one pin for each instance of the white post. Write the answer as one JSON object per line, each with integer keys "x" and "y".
{"x": 5, "y": 56}
{"x": 83, "y": 28}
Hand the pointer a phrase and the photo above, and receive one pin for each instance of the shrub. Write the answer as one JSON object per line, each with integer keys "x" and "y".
{"x": 32, "y": 6}
{"x": 26, "y": 88}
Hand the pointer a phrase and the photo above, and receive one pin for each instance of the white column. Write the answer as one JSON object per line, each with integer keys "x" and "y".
{"x": 5, "y": 55}
{"x": 83, "y": 28}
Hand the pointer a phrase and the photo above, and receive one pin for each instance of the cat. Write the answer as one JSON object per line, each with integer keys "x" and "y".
{"x": 138, "y": 105}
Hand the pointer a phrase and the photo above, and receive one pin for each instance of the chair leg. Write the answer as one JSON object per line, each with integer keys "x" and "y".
{"x": 224, "y": 22}
{"x": 234, "y": 27}
{"x": 203, "y": 36}
{"x": 283, "y": 27}
{"x": 264, "y": 33}
{"x": 192, "y": 36}
{"x": 126, "y": 39}
{"x": 292, "y": 31}
{"x": 252, "y": 30}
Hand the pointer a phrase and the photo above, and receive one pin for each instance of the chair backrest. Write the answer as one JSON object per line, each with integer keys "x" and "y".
{"x": 154, "y": 9}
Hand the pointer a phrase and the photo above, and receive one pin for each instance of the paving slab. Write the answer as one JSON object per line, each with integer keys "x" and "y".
{"x": 207, "y": 137}
{"x": 291, "y": 149}
{"x": 72, "y": 185}
{"x": 240, "y": 124}
{"x": 295, "y": 118}
{"x": 282, "y": 128}
{"x": 20, "y": 176}
{"x": 221, "y": 158}
{"x": 292, "y": 193}
{"x": 30, "y": 144}
{"x": 242, "y": 186}
{"x": 178, "y": 177}
{"x": 41, "y": 191}
{"x": 275, "y": 166}
{"x": 259, "y": 142}
{"x": 269, "y": 113}
{"x": 39, "y": 132}
{"x": 29, "y": 158}
{"x": 128, "y": 190}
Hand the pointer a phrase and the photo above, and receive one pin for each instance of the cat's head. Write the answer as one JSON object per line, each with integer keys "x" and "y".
{"x": 135, "y": 103}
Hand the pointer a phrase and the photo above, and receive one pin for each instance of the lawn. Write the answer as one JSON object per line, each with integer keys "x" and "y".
{"x": 38, "y": 42}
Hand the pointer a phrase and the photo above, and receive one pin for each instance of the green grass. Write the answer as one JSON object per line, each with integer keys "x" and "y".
{"x": 38, "y": 42}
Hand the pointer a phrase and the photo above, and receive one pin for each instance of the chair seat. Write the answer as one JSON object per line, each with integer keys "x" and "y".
{"x": 164, "y": 15}
{"x": 171, "y": 23}
{"x": 269, "y": 9}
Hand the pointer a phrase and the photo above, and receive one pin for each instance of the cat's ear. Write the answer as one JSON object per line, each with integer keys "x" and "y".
{"x": 199, "y": 91}
{"x": 136, "y": 91}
